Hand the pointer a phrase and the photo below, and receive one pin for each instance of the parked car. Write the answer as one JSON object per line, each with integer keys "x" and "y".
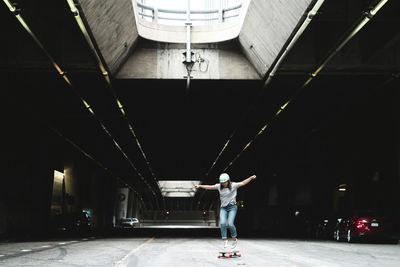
{"x": 364, "y": 225}
{"x": 325, "y": 228}
{"x": 77, "y": 222}
{"x": 129, "y": 222}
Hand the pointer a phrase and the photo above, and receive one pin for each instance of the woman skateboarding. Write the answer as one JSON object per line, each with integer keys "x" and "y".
{"x": 227, "y": 194}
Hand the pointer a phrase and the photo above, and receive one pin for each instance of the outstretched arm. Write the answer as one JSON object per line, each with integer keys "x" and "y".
{"x": 207, "y": 187}
{"x": 246, "y": 181}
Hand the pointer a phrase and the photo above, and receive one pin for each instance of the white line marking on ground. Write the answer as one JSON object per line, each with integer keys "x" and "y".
{"x": 1, "y": 255}
{"x": 132, "y": 251}
{"x": 26, "y": 250}
{"x": 45, "y": 246}
{"x": 62, "y": 243}
{"x": 84, "y": 239}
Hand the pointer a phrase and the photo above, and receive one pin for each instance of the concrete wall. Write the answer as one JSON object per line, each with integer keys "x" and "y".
{"x": 266, "y": 27}
{"x": 90, "y": 188}
{"x": 27, "y": 181}
{"x": 153, "y": 60}
{"x": 112, "y": 23}
{"x": 179, "y": 217}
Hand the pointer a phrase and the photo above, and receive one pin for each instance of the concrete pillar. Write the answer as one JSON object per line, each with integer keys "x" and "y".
{"x": 396, "y": 109}
{"x": 131, "y": 204}
{"x": 71, "y": 187}
{"x": 122, "y": 198}
{"x": 396, "y": 117}
{"x": 3, "y": 218}
{"x": 138, "y": 212}
{"x": 100, "y": 185}
{"x": 95, "y": 199}
{"x": 108, "y": 201}
{"x": 41, "y": 188}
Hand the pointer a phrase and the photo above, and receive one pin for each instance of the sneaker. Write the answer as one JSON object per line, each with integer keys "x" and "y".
{"x": 234, "y": 243}
{"x": 225, "y": 243}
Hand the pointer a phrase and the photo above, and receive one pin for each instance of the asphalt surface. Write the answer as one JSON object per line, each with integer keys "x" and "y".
{"x": 180, "y": 251}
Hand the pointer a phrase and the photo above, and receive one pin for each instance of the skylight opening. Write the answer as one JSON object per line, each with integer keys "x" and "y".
{"x": 203, "y": 12}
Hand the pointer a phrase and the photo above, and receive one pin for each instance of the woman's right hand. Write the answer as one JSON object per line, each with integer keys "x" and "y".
{"x": 197, "y": 186}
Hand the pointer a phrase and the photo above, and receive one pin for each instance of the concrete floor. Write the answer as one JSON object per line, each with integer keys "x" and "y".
{"x": 164, "y": 251}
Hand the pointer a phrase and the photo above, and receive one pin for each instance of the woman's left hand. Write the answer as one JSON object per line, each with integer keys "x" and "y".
{"x": 253, "y": 177}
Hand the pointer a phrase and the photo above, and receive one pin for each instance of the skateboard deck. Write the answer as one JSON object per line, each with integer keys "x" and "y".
{"x": 229, "y": 254}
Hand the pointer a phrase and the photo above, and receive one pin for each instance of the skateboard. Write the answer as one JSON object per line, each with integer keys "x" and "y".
{"x": 229, "y": 254}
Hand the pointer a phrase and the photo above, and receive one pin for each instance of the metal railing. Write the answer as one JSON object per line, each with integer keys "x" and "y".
{"x": 210, "y": 15}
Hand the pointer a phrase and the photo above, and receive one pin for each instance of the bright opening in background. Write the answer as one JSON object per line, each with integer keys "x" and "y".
{"x": 176, "y": 188}
{"x": 173, "y": 12}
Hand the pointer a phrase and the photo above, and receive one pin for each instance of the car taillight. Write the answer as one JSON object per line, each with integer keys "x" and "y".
{"x": 361, "y": 223}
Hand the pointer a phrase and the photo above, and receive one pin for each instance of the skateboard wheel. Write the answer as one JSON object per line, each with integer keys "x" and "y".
{"x": 229, "y": 256}
{"x": 239, "y": 255}
{"x": 219, "y": 256}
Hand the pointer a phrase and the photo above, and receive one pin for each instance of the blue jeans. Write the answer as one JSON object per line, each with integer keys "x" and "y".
{"x": 226, "y": 218}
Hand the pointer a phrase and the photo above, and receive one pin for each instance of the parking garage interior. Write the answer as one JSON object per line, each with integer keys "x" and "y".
{"x": 104, "y": 118}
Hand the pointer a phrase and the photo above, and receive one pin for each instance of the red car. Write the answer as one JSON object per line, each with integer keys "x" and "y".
{"x": 364, "y": 225}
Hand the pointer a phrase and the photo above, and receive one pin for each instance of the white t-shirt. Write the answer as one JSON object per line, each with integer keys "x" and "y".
{"x": 226, "y": 195}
